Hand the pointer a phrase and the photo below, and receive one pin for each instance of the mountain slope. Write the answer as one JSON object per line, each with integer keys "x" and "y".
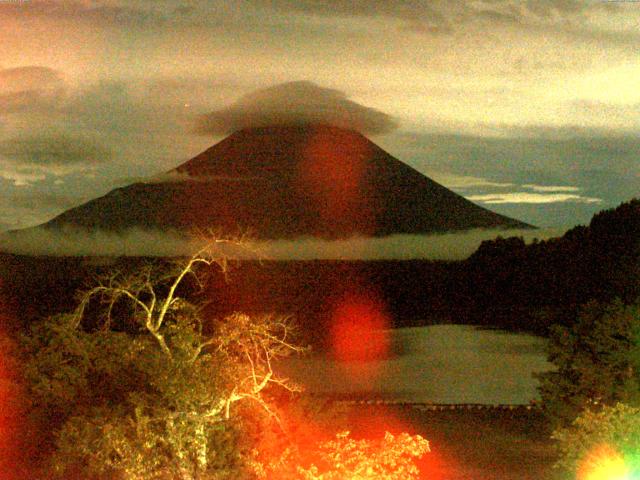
{"x": 285, "y": 182}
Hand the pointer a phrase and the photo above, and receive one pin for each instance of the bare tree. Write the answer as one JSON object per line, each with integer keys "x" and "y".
{"x": 168, "y": 377}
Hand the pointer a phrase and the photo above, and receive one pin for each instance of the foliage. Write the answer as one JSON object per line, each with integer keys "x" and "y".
{"x": 303, "y": 420}
{"x": 601, "y": 444}
{"x": 597, "y": 361}
{"x": 136, "y": 383}
{"x": 344, "y": 458}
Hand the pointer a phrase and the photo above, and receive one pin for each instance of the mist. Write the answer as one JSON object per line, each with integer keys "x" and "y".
{"x": 137, "y": 242}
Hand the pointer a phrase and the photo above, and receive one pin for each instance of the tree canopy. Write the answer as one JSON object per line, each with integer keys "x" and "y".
{"x": 136, "y": 382}
{"x": 597, "y": 361}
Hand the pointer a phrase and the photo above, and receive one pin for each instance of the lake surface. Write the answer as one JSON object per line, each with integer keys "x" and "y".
{"x": 438, "y": 364}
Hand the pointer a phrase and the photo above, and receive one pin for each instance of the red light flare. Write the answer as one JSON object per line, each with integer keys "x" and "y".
{"x": 332, "y": 174}
{"x": 360, "y": 336}
{"x": 10, "y": 415}
{"x": 18, "y": 441}
{"x": 359, "y": 329}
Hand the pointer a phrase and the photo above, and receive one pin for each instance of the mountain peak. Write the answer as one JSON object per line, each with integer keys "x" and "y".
{"x": 265, "y": 149}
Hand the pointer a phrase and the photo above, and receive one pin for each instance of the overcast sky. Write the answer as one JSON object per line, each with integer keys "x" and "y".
{"x": 529, "y": 108}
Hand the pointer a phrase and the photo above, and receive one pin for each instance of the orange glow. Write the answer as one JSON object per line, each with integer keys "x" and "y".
{"x": 9, "y": 417}
{"x": 320, "y": 443}
{"x": 359, "y": 329}
{"x": 12, "y": 439}
{"x": 603, "y": 463}
{"x": 371, "y": 423}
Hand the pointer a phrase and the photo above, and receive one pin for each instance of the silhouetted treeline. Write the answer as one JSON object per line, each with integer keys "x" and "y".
{"x": 547, "y": 280}
{"x": 505, "y": 283}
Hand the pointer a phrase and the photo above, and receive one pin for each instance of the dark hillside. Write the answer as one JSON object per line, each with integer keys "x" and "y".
{"x": 600, "y": 261}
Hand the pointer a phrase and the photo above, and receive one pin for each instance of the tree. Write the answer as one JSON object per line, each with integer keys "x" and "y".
{"x": 136, "y": 382}
{"x": 597, "y": 362}
{"x": 389, "y": 458}
{"x": 601, "y": 444}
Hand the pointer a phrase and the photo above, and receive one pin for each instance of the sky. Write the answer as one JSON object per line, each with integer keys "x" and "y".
{"x": 528, "y": 108}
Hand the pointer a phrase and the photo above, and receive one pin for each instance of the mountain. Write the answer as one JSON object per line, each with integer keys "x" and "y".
{"x": 286, "y": 182}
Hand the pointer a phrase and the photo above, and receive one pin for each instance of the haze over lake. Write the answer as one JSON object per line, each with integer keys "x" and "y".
{"x": 437, "y": 364}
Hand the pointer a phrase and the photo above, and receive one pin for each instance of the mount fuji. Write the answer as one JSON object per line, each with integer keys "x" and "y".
{"x": 284, "y": 182}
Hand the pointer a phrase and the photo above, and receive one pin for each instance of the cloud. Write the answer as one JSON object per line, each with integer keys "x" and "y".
{"x": 32, "y": 77}
{"x": 447, "y": 246}
{"x": 146, "y": 131}
{"x": 551, "y": 188}
{"x": 526, "y": 156}
{"x": 116, "y": 12}
{"x": 486, "y": 190}
{"x": 24, "y": 207}
{"x": 421, "y": 15}
{"x": 295, "y": 103}
{"x": 108, "y": 108}
{"x": 437, "y": 16}
{"x": 30, "y": 158}
{"x": 172, "y": 12}
{"x": 78, "y": 242}
{"x": 528, "y": 197}
{"x": 51, "y": 151}
{"x": 102, "y": 128}
{"x": 20, "y": 176}
{"x": 29, "y": 88}
{"x": 483, "y": 185}
{"x": 175, "y": 176}
{"x": 432, "y": 15}
{"x": 136, "y": 242}
{"x": 463, "y": 182}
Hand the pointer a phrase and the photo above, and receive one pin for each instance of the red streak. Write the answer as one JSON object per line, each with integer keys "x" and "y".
{"x": 14, "y": 446}
{"x": 9, "y": 414}
{"x": 331, "y": 173}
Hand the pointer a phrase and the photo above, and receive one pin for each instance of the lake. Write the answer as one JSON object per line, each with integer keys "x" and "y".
{"x": 436, "y": 364}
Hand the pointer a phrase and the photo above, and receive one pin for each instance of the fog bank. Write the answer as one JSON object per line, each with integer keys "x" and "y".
{"x": 137, "y": 242}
